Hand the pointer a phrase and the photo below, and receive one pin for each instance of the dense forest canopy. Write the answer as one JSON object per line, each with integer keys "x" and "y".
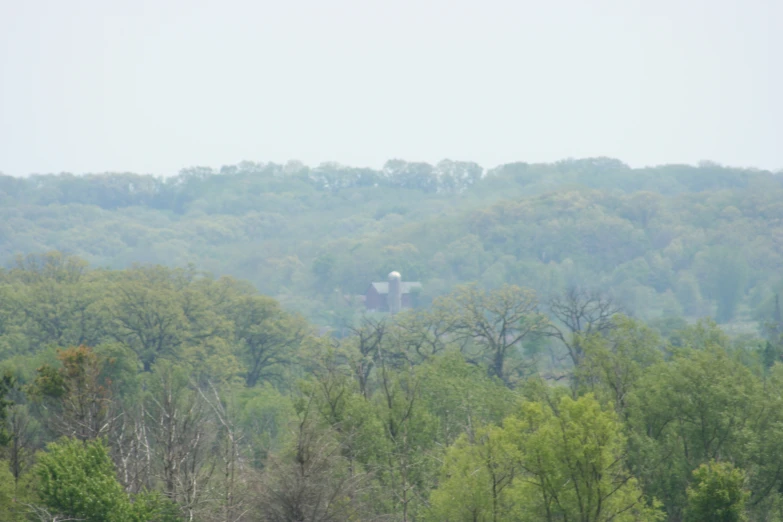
{"x": 156, "y": 393}
{"x": 669, "y": 240}
{"x": 591, "y": 343}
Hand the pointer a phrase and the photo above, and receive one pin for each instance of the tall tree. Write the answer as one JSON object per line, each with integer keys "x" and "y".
{"x": 78, "y": 395}
{"x": 572, "y": 457}
{"x": 701, "y": 406}
{"x": 493, "y": 325}
{"x": 476, "y": 476}
{"x": 25, "y": 433}
{"x": 181, "y": 434}
{"x": 312, "y": 482}
{"x": 6, "y": 383}
{"x": 580, "y": 313}
{"x": 614, "y": 362}
{"x": 267, "y": 337}
{"x": 148, "y": 320}
{"x": 404, "y": 463}
{"x": 364, "y": 349}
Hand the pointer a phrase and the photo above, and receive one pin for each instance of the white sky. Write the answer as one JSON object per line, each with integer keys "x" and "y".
{"x": 154, "y": 86}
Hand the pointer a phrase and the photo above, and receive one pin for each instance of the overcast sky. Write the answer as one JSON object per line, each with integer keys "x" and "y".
{"x": 155, "y": 86}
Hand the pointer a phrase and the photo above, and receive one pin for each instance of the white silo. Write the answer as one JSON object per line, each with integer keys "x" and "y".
{"x": 395, "y": 292}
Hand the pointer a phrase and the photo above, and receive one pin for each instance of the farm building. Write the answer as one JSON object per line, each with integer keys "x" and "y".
{"x": 392, "y": 295}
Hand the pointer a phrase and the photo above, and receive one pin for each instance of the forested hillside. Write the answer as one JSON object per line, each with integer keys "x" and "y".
{"x": 591, "y": 343}
{"x": 671, "y": 240}
{"x": 160, "y": 394}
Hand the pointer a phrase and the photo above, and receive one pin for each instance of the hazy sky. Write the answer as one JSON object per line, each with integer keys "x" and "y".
{"x": 154, "y": 86}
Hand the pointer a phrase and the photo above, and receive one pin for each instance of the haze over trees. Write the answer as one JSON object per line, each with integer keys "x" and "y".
{"x": 592, "y": 342}
{"x": 670, "y": 240}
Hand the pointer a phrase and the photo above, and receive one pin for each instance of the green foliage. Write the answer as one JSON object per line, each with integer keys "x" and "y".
{"x": 6, "y": 383}
{"x": 615, "y": 362}
{"x": 572, "y": 457}
{"x": 77, "y": 479}
{"x": 78, "y": 394}
{"x": 717, "y": 493}
{"x": 264, "y": 417}
{"x": 11, "y": 508}
{"x": 267, "y": 337}
{"x": 699, "y": 407}
{"x": 700, "y": 239}
{"x": 151, "y": 506}
{"x": 563, "y": 462}
{"x": 476, "y": 480}
{"x": 215, "y": 402}
{"x": 493, "y": 326}
{"x": 409, "y": 435}
{"x": 461, "y": 395}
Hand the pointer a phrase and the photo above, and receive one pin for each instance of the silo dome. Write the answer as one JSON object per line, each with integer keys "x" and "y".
{"x": 395, "y": 275}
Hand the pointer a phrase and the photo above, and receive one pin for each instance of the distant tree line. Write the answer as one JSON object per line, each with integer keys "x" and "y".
{"x": 672, "y": 240}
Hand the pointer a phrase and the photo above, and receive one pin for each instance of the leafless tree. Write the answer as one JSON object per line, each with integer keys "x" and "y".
{"x": 580, "y": 313}
{"x": 42, "y": 514}
{"x": 24, "y": 434}
{"x": 313, "y": 484}
{"x": 131, "y": 450}
{"x": 228, "y": 446}
{"x": 496, "y": 323}
{"x": 77, "y": 399}
{"x": 181, "y": 434}
{"x": 367, "y": 338}
{"x": 421, "y": 335}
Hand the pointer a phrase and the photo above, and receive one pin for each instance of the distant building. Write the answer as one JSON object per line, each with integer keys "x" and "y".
{"x": 391, "y": 296}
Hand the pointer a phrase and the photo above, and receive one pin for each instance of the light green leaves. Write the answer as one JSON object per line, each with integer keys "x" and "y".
{"x": 717, "y": 493}
{"x": 550, "y": 462}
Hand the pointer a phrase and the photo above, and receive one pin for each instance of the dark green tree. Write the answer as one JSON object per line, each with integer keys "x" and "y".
{"x": 6, "y": 384}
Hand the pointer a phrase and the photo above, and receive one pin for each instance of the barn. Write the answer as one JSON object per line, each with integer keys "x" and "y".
{"x": 392, "y": 295}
